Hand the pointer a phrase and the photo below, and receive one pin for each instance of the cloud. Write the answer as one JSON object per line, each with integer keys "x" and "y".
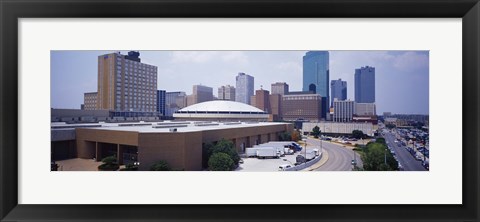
{"x": 290, "y": 66}
{"x": 200, "y": 57}
{"x": 411, "y": 61}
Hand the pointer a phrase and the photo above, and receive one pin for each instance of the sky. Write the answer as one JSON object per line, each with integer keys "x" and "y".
{"x": 401, "y": 77}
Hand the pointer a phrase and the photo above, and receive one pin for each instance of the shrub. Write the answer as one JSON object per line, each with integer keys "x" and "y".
{"x": 220, "y": 162}
{"x": 160, "y": 166}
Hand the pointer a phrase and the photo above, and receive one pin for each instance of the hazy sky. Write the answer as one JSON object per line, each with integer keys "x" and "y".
{"x": 402, "y": 77}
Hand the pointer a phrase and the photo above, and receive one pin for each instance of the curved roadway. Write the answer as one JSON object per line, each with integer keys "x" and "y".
{"x": 339, "y": 157}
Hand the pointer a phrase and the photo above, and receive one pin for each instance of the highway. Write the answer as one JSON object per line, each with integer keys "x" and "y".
{"x": 403, "y": 156}
{"x": 339, "y": 158}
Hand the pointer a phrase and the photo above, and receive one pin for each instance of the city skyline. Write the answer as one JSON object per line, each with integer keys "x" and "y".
{"x": 401, "y": 76}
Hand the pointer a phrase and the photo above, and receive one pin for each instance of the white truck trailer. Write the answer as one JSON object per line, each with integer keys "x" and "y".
{"x": 268, "y": 152}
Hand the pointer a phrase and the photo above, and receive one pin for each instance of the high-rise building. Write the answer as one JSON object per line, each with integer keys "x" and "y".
{"x": 262, "y": 100}
{"x": 226, "y": 93}
{"x": 200, "y": 94}
{"x": 126, "y": 84}
{"x": 365, "y": 109}
{"x": 302, "y": 106}
{"x": 316, "y": 75}
{"x": 339, "y": 90}
{"x": 343, "y": 110}
{"x": 365, "y": 85}
{"x": 161, "y": 101}
{"x": 90, "y": 101}
{"x": 244, "y": 88}
{"x": 174, "y": 101}
{"x": 280, "y": 88}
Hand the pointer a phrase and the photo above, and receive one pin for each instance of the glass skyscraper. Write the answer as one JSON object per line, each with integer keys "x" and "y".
{"x": 244, "y": 88}
{"x": 316, "y": 75}
{"x": 161, "y": 101}
{"x": 365, "y": 85}
{"x": 339, "y": 90}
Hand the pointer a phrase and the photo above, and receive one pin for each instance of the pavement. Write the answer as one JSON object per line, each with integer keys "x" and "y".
{"x": 408, "y": 162}
{"x": 78, "y": 164}
{"x": 339, "y": 157}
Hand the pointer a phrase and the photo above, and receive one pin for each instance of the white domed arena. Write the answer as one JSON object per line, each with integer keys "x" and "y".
{"x": 221, "y": 110}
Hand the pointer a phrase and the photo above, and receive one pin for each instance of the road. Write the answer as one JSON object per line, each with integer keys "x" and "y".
{"x": 339, "y": 157}
{"x": 403, "y": 156}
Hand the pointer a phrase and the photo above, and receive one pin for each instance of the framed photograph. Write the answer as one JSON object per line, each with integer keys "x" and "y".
{"x": 305, "y": 111}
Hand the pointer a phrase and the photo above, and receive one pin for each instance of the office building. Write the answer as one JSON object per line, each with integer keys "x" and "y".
{"x": 262, "y": 100}
{"x": 316, "y": 75}
{"x": 335, "y": 128}
{"x": 244, "y": 88}
{"x": 343, "y": 110}
{"x": 226, "y": 93}
{"x": 302, "y": 107}
{"x": 161, "y": 101}
{"x": 126, "y": 84}
{"x": 280, "y": 88}
{"x": 339, "y": 90}
{"x": 90, "y": 101}
{"x": 270, "y": 103}
{"x": 365, "y": 85}
{"x": 365, "y": 109}
{"x": 200, "y": 94}
{"x": 174, "y": 101}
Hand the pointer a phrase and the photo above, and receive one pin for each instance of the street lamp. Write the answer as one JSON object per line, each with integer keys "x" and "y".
{"x": 305, "y": 140}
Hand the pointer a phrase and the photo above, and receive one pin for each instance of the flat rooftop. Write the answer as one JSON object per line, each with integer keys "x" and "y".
{"x": 164, "y": 126}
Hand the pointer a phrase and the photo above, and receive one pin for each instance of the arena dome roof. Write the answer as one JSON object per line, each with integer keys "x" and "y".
{"x": 221, "y": 106}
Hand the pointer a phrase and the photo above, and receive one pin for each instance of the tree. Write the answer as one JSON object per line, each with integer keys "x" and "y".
{"x": 316, "y": 131}
{"x": 206, "y": 153}
{"x": 109, "y": 164}
{"x": 284, "y": 136}
{"x": 220, "y": 162}
{"x": 160, "y": 166}
{"x": 227, "y": 147}
{"x": 380, "y": 140}
{"x": 358, "y": 134}
{"x": 390, "y": 126}
{"x": 373, "y": 158}
{"x": 296, "y": 135}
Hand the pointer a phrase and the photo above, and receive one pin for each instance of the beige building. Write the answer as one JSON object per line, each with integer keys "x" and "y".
{"x": 90, "y": 101}
{"x": 226, "y": 93}
{"x": 177, "y": 143}
{"x": 339, "y": 128}
{"x": 280, "y": 88}
{"x": 126, "y": 84}
{"x": 200, "y": 94}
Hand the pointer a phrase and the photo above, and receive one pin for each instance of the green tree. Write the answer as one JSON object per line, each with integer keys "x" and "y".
{"x": 160, "y": 166}
{"x": 358, "y": 134}
{"x": 109, "y": 164}
{"x": 390, "y": 126}
{"x": 227, "y": 147}
{"x": 220, "y": 162}
{"x": 316, "y": 131}
{"x": 284, "y": 136}
{"x": 381, "y": 140}
{"x": 373, "y": 158}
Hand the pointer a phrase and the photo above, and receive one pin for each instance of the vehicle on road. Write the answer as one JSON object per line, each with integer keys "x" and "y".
{"x": 284, "y": 167}
{"x": 268, "y": 152}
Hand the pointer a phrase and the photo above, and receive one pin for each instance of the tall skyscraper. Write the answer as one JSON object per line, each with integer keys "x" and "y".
{"x": 339, "y": 90}
{"x": 226, "y": 93}
{"x": 365, "y": 85}
{"x": 244, "y": 89}
{"x": 174, "y": 101}
{"x": 161, "y": 101}
{"x": 316, "y": 75}
{"x": 126, "y": 84}
{"x": 280, "y": 88}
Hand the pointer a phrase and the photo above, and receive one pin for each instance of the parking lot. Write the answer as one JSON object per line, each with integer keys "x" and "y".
{"x": 254, "y": 164}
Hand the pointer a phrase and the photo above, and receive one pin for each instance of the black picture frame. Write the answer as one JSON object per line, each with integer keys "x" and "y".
{"x": 11, "y": 11}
